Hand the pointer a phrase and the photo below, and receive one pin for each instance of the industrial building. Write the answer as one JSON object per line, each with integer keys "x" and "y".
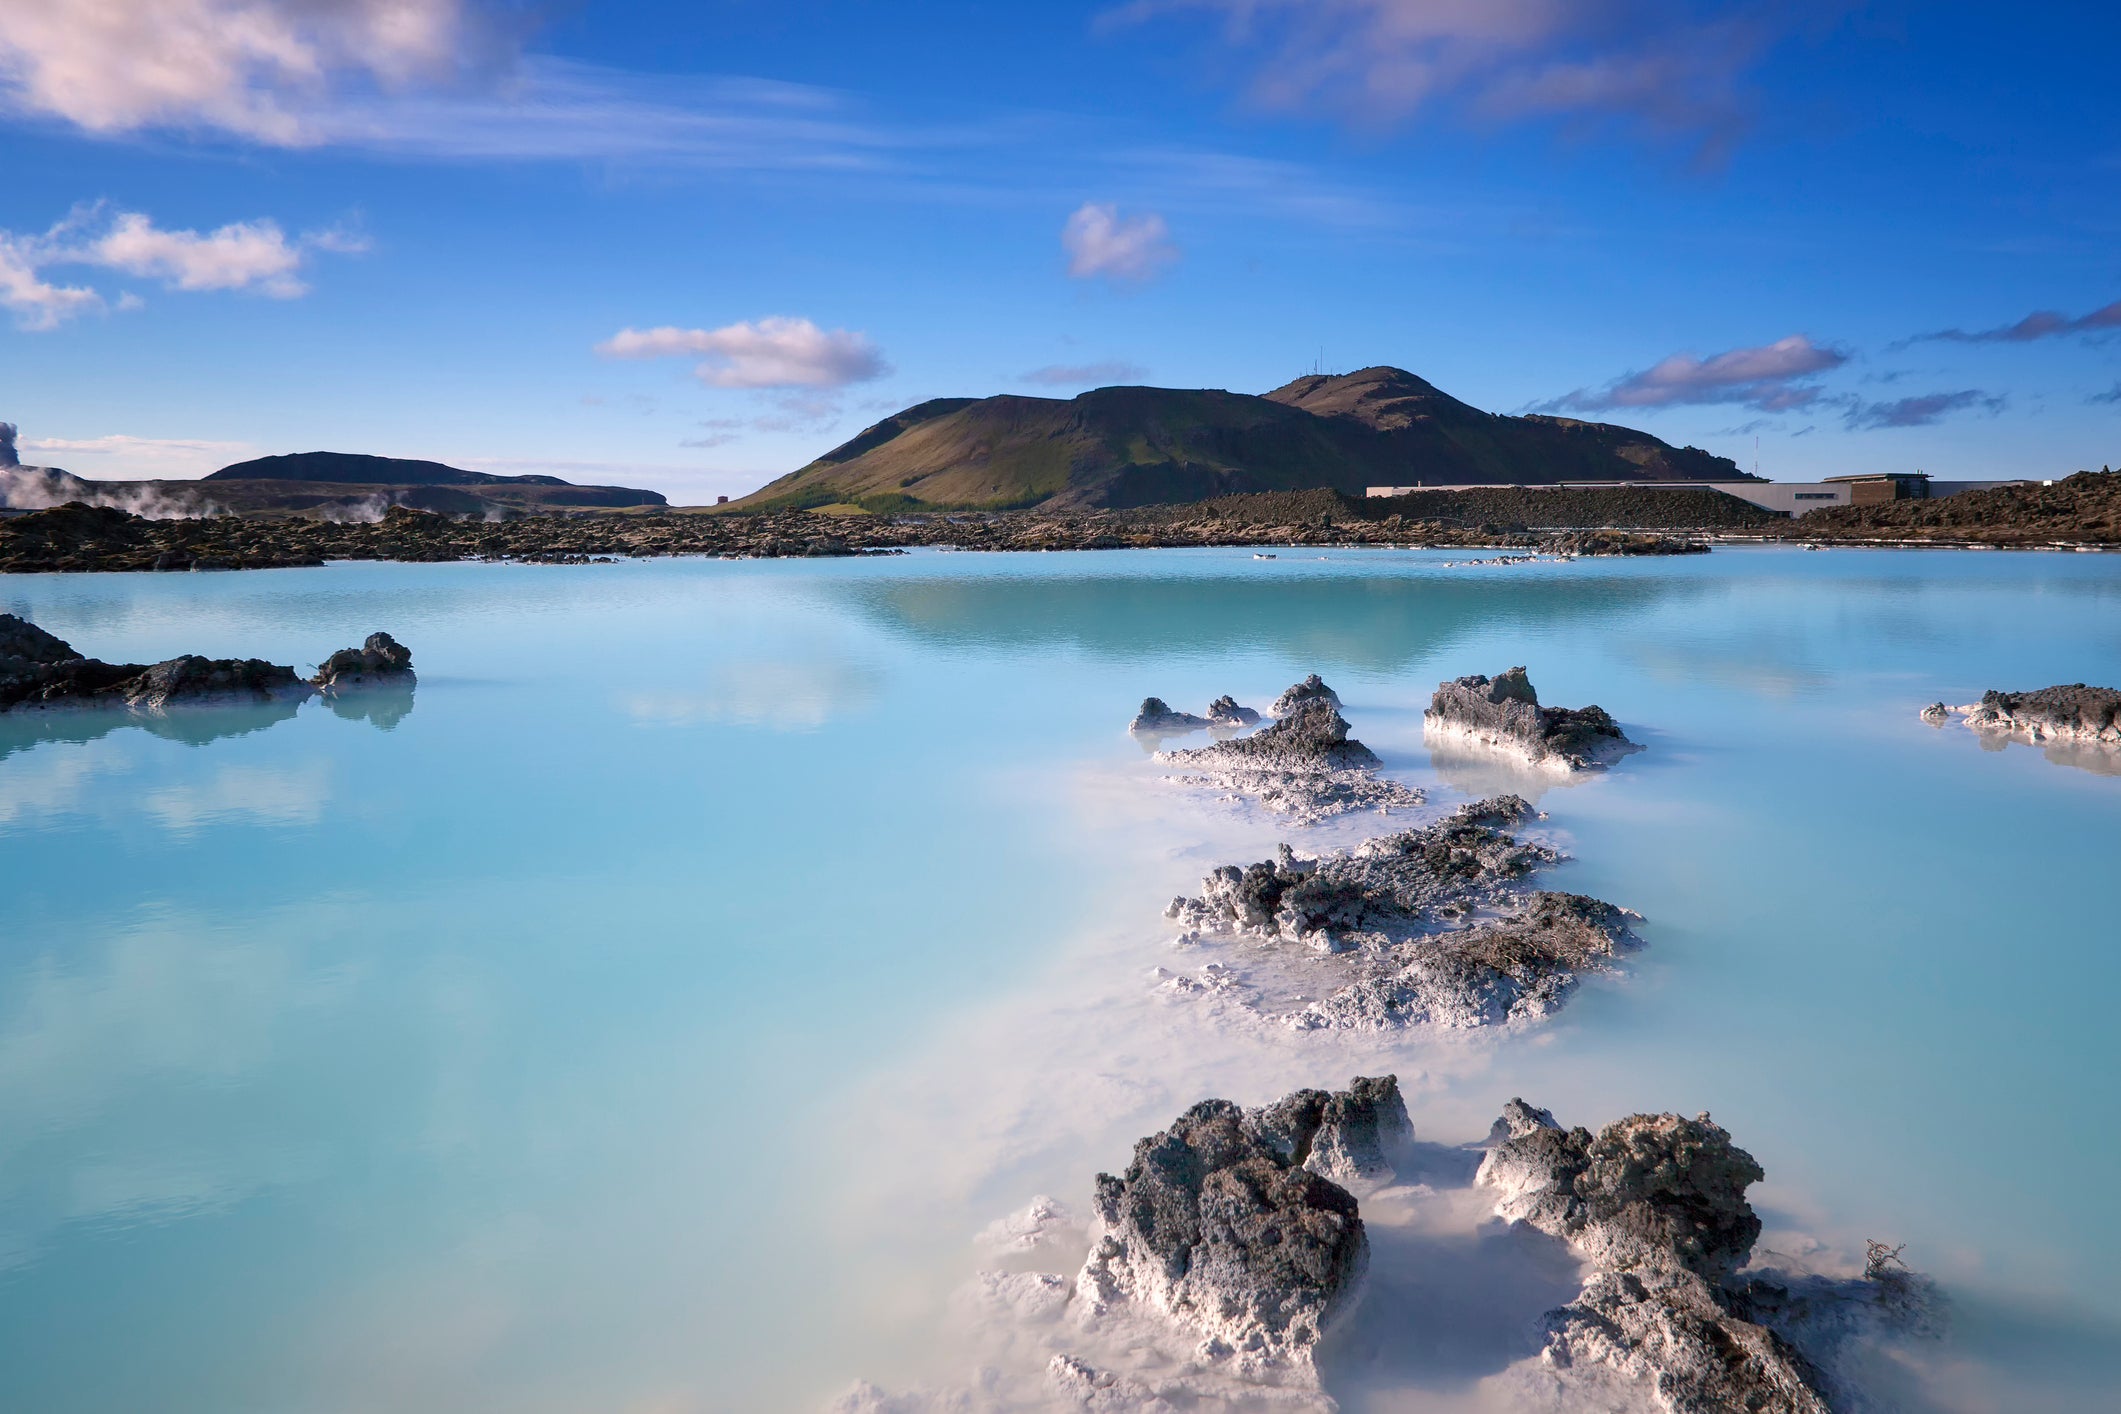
{"x": 1791, "y": 498}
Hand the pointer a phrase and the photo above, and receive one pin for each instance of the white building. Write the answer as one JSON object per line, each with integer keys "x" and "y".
{"x": 1791, "y": 498}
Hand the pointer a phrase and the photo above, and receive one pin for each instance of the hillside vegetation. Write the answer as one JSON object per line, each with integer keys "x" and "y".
{"x": 1114, "y": 448}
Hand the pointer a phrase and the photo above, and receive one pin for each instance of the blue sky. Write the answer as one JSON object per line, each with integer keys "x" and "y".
{"x": 690, "y": 246}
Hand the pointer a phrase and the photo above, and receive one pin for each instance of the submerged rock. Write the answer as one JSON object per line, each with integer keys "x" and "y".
{"x": 380, "y": 661}
{"x": 1311, "y": 689}
{"x": 1656, "y": 1205}
{"x": 1224, "y": 712}
{"x": 2073, "y": 715}
{"x": 1157, "y": 718}
{"x": 1224, "y": 1225}
{"x": 1304, "y": 763}
{"x": 1504, "y": 712}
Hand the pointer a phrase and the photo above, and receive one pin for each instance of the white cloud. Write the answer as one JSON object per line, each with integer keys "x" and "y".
{"x": 249, "y": 67}
{"x": 1100, "y": 242}
{"x": 242, "y": 255}
{"x": 263, "y": 795}
{"x": 1659, "y": 65}
{"x": 1770, "y": 378}
{"x": 140, "y": 458}
{"x": 775, "y": 352}
{"x": 35, "y": 302}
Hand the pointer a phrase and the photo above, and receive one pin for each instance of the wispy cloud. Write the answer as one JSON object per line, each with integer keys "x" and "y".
{"x": 2111, "y": 395}
{"x": 1669, "y": 69}
{"x": 2040, "y": 324}
{"x": 1078, "y": 375}
{"x": 1101, "y": 243}
{"x": 1921, "y": 411}
{"x": 243, "y": 255}
{"x": 775, "y": 352}
{"x": 1770, "y": 378}
{"x": 257, "y": 69}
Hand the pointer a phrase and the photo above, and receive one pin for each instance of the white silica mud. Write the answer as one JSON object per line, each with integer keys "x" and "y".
{"x": 720, "y": 985}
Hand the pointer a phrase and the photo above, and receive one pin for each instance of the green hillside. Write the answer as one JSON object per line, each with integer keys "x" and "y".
{"x": 1121, "y": 447}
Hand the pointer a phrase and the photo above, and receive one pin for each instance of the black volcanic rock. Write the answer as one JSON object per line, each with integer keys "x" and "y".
{"x": 1156, "y": 717}
{"x": 1504, "y": 711}
{"x": 1656, "y": 1206}
{"x": 380, "y": 661}
{"x": 1220, "y": 1224}
{"x": 1311, "y": 689}
{"x": 23, "y": 640}
{"x": 2074, "y": 713}
{"x": 40, "y": 671}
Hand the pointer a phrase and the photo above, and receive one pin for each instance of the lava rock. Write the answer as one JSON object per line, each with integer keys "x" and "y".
{"x": 1226, "y": 713}
{"x": 1221, "y": 1224}
{"x": 2072, "y": 713}
{"x": 380, "y": 661}
{"x": 1311, "y": 689}
{"x": 1157, "y": 718}
{"x": 1504, "y": 712}
{"x": 1401, "y": 881}
{"x": 1656, "y": 1205}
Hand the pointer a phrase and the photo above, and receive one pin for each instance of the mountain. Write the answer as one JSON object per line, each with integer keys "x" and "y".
{"x": 330, "y": 485}
{"x": 360, "y": 469}
{"x": 1128, "y": 446}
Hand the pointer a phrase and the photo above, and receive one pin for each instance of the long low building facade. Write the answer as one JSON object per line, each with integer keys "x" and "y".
{"x": 1791, "y": 498}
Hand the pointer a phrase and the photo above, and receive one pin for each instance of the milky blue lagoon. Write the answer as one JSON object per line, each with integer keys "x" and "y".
{"x": 649, "y": 1018}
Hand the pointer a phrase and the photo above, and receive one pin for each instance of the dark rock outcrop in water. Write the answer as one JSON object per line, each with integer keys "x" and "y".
{"x": 380, "y": 661}
{"x": 1655, "y": 1205}
{"x": 1311, "y": 689}
{"x": 1504, "y": 712}
{"x": 2073, "y": 713}
{"x": 1303, "y": 764}
{"x": 1225, "y": 712}
{"x": 1156, "y": 718}
{"x": 38, "y": 670}
{"x": 1384, "y": 927}
{"x": 1238, "y": 1238}
{"x": 1595, "y": 543}
{"x": 1225, "y": 1224}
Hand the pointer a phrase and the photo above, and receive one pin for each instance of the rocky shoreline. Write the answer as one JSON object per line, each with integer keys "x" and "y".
{"x": 2082, "y": 511}
{"x": 40, "y": 672}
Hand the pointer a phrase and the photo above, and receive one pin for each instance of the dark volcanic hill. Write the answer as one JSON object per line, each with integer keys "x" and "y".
{"x": 326, "y": 485}
{"x": 1120, "y": 447}
{"x": 360, "y": 469}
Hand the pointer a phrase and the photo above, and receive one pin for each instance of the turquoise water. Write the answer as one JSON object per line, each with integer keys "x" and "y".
{"x": 645, "y": 1016}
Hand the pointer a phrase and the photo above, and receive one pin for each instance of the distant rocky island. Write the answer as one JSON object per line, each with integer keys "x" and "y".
{"x": 1115, "y": 448}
